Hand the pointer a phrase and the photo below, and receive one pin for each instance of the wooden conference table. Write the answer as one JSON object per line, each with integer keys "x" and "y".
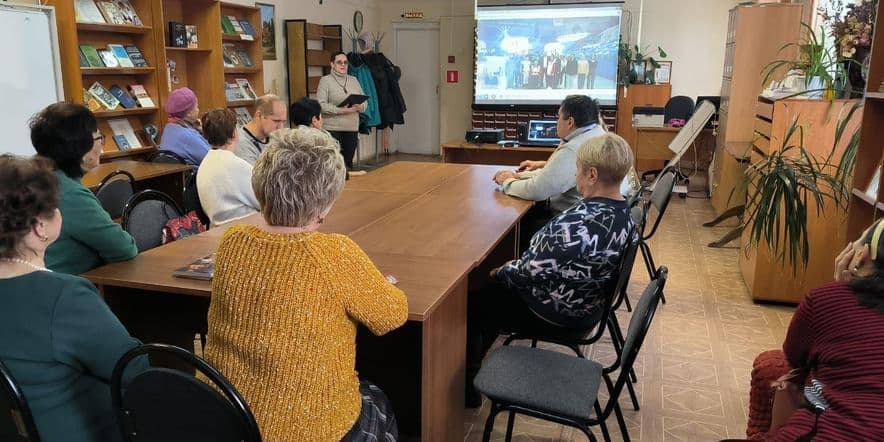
{"x": 435, "y": 227}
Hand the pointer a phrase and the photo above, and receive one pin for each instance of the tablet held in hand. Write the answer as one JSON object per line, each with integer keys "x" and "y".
{"x": 353, "y": 100}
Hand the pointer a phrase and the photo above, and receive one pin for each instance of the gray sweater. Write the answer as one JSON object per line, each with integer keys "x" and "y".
{"x": 330, "y": 93}
{"x": 248, "y": 147}
{"x": 557, "y": 179}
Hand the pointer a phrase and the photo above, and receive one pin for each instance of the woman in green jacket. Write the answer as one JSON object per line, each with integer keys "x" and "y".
{"x": 67, "y": 134}
{"x": 57, "y": 337}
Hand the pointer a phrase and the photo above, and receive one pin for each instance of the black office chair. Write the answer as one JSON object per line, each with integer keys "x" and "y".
{"x": 564, "y": 389}
{"x": 166, "y": 156}
{"x": 166, "y": 405}
{"x": 114, "y": 191}
{"x": 680, "y": 107}
{"x": 145, "y": 215}
{"x": 192, "y": 199}
{"x": 16, "y": 422}
{"x": 659, "y": 200}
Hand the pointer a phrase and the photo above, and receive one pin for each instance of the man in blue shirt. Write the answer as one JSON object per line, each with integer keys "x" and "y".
{"x": 570, "y": 264}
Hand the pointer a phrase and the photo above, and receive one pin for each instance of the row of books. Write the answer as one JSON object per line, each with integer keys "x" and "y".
{"x": 118, "y": 12}
{"x": 182, "y": 35}
{"x": 235, "y": 56}
{"x": 241, "y": 90}
{"x": 98, "y": 98}
{"x": 114, "y": 56}
{"x": 123, "y": 134}
{"x": 232, "y": 25}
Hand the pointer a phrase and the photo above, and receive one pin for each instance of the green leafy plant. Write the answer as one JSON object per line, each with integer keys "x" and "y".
{"x": 630, "y": 54}
{"x": 815, "y": 60}
{"x": 783, "y": 184}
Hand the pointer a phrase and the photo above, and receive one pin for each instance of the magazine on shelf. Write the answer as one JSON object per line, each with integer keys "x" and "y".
{"x": 87, "y": 12}
{"x": 247, "y": 28}
{"x": 136, "y": 56}
{"x": 121, "y": 142}
{"x": 233, "y": 92}
{"x": 126, "y": 100}
{"x": 108, "y": 58}
{"x": 202, "y": 269}
{"x": 121, "y": 126}
{"x": 92, "y": 56}
{"x": 246, "y": 88}
{"x": 226, "y": 26}
{"x": 122, "y": 56}
{"x": 242, "y": 116}
{"x": 177, "y": 35}
{"x": 192, "y": 39}
{"x": 236, "y": 26}
{"x": 103, "y": 96}
{"x": 140, "y": 93}
{"x": 244, "y": 57}
{"x": 89, "y": 100}
{"x": 872, "y": 189}
{"x": 119, "y": 12}
{"x": 230, "y": 54}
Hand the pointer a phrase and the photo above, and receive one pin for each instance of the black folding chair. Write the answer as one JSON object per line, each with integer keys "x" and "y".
{"x": 166, "y": 405}
{"x": 114, "y": 191}
{"x": 145, "y": 215}
{"x": 166, "y": 156}
{"x": 192, "y": 199}
{"x": 16, "y": 422}
{"x": 659, "y": 201}
{"x": 564, "y": 389}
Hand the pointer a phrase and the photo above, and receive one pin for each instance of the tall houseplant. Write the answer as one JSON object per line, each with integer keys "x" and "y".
{"x": 815, "y": 60}
{"x": 630, "y": 56}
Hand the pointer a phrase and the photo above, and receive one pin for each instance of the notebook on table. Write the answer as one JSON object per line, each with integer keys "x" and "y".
{"x": 202, "y": 269}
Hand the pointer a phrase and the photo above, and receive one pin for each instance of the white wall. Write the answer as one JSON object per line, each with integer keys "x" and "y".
{"x": 331, "y": 12}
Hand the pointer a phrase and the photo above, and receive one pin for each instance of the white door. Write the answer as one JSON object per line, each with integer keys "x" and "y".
{"x": 416, "y": 52}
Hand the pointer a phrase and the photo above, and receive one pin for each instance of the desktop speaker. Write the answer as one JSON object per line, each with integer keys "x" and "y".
{"x": 522, "y": 132}
{"x": 484, "y": 135}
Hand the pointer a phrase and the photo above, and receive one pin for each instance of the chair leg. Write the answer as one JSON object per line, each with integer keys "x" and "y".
{"x": 576, "y": 349}
{"x": 510, "y": 422}
{"x": 624, "y": 432}
{"x": 604, "y": 428}
{"x": 626, "y": 301}
{"x": 588, "y": 433}
{"x": 632, "y": 396}
{"x": 617, "y": 341}
{"x": 489, "y": 423}
{"x": 649, "y": 263}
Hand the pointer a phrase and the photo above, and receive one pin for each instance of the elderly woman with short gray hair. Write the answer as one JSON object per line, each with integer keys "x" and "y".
{"x": 287, "y": 300}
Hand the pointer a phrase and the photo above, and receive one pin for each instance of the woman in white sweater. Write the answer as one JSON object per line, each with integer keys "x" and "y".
{"x": 341, "y": 122}
{"x": 224, "y": 180}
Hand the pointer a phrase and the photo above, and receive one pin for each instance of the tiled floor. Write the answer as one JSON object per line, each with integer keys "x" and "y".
{"x": 694, "y": 367}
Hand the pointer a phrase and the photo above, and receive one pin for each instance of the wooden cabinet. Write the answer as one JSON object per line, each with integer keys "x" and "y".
{"x": 863, "y": 209}
{"x": 252, "y": 48}
{"x": 765, "y": 276}
{"x": 309, "y": 47}
{"x": 755, "y": 35}
{"x": 638, "y": 95}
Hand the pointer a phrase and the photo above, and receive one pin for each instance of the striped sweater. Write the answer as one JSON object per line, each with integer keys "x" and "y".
{"x": 843, "y": 342}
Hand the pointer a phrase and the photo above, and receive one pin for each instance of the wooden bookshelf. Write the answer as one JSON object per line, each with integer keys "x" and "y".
{"x": 72, "y": 34}
{"x": 305, "y": 64}
{"x": 253, "y": 49}
{"x": 870, "y": 155}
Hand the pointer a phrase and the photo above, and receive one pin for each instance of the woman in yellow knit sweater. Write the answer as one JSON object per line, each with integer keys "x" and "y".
{"x": 286, "y": 302}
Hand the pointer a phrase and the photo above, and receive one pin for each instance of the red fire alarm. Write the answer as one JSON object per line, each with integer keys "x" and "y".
{"x": 451, "y": 59}
{"x": 451, "y": 76}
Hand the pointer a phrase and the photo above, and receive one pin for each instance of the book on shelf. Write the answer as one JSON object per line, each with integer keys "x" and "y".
{"x": 103, "y": 96}
{"x": 202, "y": 269}
{"x": 108, "y": 58}
{"x": 247, "y": 28}
{"x": 91, "y": 102}
{"x": 121, "y": 126}
{"x": 136, "y": 56}
{"x": 87, "y": 12}
{"x": 229, "y": 53}
{"x": 177, "y": 35}
{"x": 121, "y": 55}
{"x": 119, "y": 12}
{"x": 121, "y": 142}
{"x": 246, "y": 88}
{"x": 83, "y": 62}
{"x": 92, "y": 56}
{"x": 192, "y": 39}
{"x": 140, "y": 93}
{"x": 226, "y": 26}
{"x": 237, "y": 29}
{"x": 872, "y": 188}
{"x": 232, "y": 92}
{"x": 243, "y": 116}
{"x": 228, "y": 63}
{"x": 243, "y": 56}
{"x": 126, "y": 100}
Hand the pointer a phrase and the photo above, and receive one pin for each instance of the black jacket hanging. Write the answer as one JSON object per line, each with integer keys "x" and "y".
{"x": 386, "y": 78}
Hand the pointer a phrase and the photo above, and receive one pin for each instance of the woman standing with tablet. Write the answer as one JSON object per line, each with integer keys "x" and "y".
{"x": 341, "y": 122}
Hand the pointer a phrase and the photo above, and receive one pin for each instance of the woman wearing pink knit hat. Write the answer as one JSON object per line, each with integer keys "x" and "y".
{"x": 183, "y": 133}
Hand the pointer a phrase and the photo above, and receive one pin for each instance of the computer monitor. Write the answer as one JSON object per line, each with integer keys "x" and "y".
{"x": 542, "y": 131}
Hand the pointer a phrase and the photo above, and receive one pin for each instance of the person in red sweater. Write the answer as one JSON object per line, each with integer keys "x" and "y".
{"x": 837, "y": 336}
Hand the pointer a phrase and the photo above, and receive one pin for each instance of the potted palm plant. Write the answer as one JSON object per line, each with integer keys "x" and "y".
{"x": 815, "y": 61}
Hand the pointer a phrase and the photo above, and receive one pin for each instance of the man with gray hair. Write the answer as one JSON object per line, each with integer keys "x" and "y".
{"x": 270, "y": 116}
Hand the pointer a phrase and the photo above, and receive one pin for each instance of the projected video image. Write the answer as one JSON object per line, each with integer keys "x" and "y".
{"x": 540, "y": 55}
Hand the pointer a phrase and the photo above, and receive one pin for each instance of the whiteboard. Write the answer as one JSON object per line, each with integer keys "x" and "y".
{"x": 31, "y": 78}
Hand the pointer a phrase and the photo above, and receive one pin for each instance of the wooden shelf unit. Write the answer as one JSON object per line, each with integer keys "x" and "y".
{"x": 638, "y": 95}
{"x": 72, "y": 34}
{"x": 307, "y": 62}
{"x": 253, "y": 48}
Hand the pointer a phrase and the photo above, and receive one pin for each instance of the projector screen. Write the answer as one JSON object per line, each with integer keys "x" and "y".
{"x": 538, "y": 55}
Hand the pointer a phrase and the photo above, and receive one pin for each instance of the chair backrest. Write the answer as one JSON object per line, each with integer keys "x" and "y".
{"x": 145, "y": 215}
{"x": 16, "y": 422}
{"x": 659, "y": 200}
{"x": 114, "y": 191}
{"x": 166, "y": 156}
{"x": 167, "y": 405}
{"x": 627, "y": 260}
{"x": 639, "y": 324}
{"x": 192, "y": 198}
{"x": 678, "y": 106}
